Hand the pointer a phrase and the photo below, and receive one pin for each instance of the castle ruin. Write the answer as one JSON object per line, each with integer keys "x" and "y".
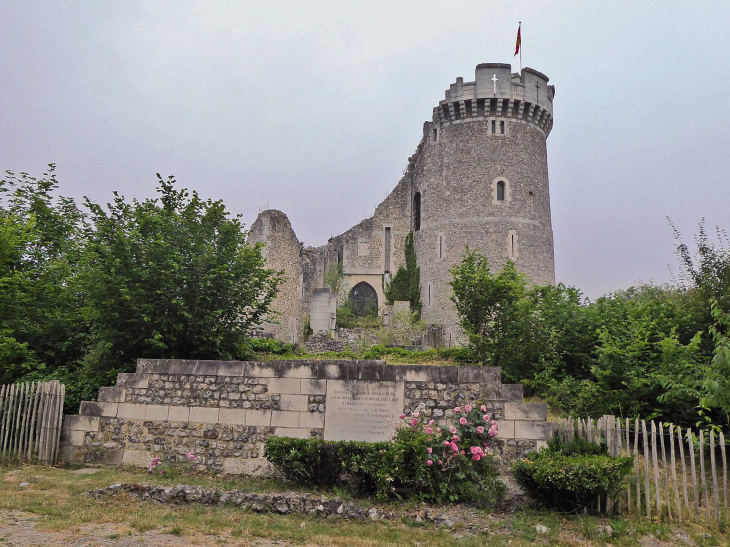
{"x": 478, "y": 178}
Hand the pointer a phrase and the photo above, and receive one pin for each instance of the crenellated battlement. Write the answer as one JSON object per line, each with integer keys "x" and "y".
{"x": 497, "y": 94}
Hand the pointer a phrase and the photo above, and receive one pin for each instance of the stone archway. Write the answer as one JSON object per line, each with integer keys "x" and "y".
{"x": 365, "y": 299}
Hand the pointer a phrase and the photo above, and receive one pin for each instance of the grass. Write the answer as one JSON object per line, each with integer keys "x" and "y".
{"x": 58, "y": 497}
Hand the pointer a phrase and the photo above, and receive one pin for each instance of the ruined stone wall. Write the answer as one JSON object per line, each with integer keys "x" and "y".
{"x": 282, "y": 252}
{"x": 223, "y": 411}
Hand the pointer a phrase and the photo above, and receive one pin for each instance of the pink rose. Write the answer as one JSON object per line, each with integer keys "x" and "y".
{"x": 476, "y": 457}
{"x": 440, "y": 462}
{"x": 483, "y": 408}
{"x": 462, "y": 452}
{"x": 457, "y": 409}
{"x": 429, "y": 430}
{"x": 430, "y": 422}
{"x": 416, "y": 414}
{"x": 467, "y": 408}
{"x": 447, "y": 443}
{"x": 462, "y": 421}
{"x": 455, "y": 438}
{"x": 414, "y": 422}
{"x": 429, "y": 462}
{"x": 402, "y": 416}
{"x": 429, "y": 450}
{"x": 438, "y": 430}
{"x": 452, "y": 430}
{"x": 480, "y": 430}
{"x": 454, "y": 447}
{"x": 486, "y": 417}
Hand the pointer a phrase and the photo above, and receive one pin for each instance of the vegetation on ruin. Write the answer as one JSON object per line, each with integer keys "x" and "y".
{"x": 406, "y": 283}
{"x": 85, "y": 292}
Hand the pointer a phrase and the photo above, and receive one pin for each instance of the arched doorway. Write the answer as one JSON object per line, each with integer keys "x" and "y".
{"x": 365, "y": 299}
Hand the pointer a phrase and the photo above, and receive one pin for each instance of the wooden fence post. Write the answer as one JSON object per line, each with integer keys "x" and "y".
{"x": 647, "y": 457}
{"x": 674, "y": 472}
{"x": 714, "y": 477}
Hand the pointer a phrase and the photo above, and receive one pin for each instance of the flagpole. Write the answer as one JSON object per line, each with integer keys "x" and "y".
{"x": 520, "y": 27}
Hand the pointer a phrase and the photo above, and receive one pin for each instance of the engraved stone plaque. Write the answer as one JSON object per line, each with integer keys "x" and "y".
{"x": 360, "y": 410}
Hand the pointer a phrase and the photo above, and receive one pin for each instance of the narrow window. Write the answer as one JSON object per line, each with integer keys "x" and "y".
{"x": 501, "y": 127}
{"x": 512, "y": 245}
{"x": 500, "y": 191}
{"x": 386, "y": 251}
{"x": 417, "y": 212}
{"x": 435, "y": 135}
{"x": 429, "y": 294}
{"x": 441, "y": 244}
{"x": 494, "y": 127}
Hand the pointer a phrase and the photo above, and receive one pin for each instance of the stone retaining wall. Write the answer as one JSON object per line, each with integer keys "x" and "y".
{"x": 223, "y": 411}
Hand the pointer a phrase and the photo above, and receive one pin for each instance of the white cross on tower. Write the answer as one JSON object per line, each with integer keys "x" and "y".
{"x": 494, "y": 82}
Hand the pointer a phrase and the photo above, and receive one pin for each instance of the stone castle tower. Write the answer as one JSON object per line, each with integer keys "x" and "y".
{"x": 478, "y": 178}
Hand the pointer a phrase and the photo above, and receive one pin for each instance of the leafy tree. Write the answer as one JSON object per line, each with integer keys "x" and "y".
{"x": 41, "y": 241}
{"x": 334, "y": 280}
{"x": 717, "y": 382}
{"x": 487, "y": 304}
{"x": 170, "y": 278}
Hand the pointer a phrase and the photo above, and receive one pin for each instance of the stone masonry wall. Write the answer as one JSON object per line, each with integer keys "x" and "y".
{"x": 223, "y": 411}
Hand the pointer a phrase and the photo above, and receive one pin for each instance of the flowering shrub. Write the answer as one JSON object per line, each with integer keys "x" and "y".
{"x": 172, "y": 468}
{"x": 421, "y": 460}
{"x": 455, "y": 462}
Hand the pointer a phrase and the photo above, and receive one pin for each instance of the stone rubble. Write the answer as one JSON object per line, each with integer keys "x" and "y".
{"x": 279, "y": 503}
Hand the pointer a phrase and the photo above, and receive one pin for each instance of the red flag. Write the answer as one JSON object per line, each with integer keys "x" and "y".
{"x": 519, "y": 41}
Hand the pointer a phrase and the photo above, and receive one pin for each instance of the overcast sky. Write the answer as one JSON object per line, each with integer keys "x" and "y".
{"x": 314, "y": 107}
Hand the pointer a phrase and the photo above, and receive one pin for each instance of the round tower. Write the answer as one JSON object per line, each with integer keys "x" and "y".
{"x": 480, "y": 179}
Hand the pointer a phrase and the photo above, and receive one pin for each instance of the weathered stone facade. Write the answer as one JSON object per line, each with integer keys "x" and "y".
{"x": 478, "y": 178}
{"x": 223, "y": 411}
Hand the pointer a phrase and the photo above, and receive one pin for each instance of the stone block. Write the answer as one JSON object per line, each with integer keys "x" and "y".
{"x": 156, "y": 412}
{"x": 376, "y": 371}
{"x": 130, "y": 411}
{"x": 511, "y": 392}
{"x": 329, "y": 370}
{"x": 137, "y": 458}
{"x": 71, "y": 454}
{"x": 418, "y": 373}
{"x": 74, "y": 437}
{"x": 297, "y": 403}
{"x": 152, "y": 366}
{"x": 240, "y": 466}
{"x": 192, "y": 367}
{"x": 533, "y": 430}
{"x": 525, "y": 411}
{"x": 138, "y": 381}
{"x": 258, "y": 417}
{"x": 284, "y": 385}
{"x": 311, "y": 420}
{"x": 232, "y": 368}
{"x": 291, "y": 432}
{"x": 81, "y": 423}
{"x": 283, "y": 369}
{"x": 92, "y": 408}
{"x": 203, "y": 415}
{"x": 284, "y": 418}
{"x": 479, "y": 375}
{"x": 233, "y": 416}
{"x": 313, "y": 387}
{"x": 112, "y": 394}
{"x": 179, "y": 414}
{"x": 506, "y": 429}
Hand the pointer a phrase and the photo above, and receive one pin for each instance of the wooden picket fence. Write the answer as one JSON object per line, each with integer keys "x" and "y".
{"x": 671, "y": 477}
{"x": 30, "y": 421}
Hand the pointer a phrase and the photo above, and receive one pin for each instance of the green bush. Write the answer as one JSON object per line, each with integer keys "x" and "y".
{"x": 312, "y": 462}
{"x": 572, "y": 476}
